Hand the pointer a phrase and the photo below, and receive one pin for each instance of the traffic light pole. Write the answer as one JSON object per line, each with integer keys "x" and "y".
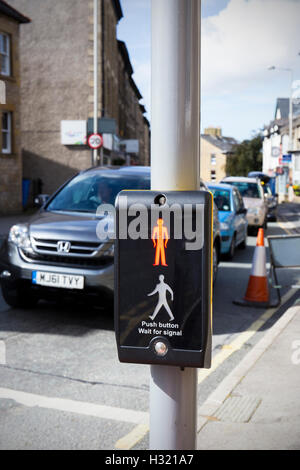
{"x": 175, "y": 160}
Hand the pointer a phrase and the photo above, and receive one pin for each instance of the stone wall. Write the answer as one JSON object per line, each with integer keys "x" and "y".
{"x": 57, "y": 84}
{"x": 55, "y": 87}
{"x": 10, "y": 164}
{"x": 206, "y": 167}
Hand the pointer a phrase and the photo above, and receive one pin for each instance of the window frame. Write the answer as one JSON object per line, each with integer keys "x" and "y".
{"x": 8, "y": 149}
{"x": 213, "y": 175}
{"x": 7, "y": 54}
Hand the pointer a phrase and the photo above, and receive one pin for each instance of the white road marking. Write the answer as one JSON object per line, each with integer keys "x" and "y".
{"x": 239, "y": 265}
{"x": 288, "y": 225}
{"x": 78, "y": 407}
{"x": 2, "y": 353}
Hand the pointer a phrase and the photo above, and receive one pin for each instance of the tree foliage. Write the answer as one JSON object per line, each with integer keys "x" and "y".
{"x": 246, "y": 157}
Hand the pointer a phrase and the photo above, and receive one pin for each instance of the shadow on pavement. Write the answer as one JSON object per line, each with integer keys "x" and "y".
{"x": 65, "y": 317}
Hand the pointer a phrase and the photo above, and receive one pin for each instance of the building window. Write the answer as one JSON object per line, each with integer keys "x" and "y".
{"x": 6, "y": 132}
{"x": 213, "y": 160}
{"x": 213, "y": 175}
{"x": 4, "y": 54}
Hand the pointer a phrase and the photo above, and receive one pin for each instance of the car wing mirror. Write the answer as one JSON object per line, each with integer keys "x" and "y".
{"x": 243, "y": 211}
{"x": 41, "y": 199}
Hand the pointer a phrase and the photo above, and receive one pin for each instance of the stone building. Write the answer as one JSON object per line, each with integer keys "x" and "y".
{"x": 132, "y": 122}
{"x": 281, "y": 158}
{"x": 215, "y": 150}
{"x": 57, "y": 89}
{"x": 10, "y": 145}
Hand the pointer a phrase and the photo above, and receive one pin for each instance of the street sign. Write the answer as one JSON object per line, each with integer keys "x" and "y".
{"x": 104, "y": 126}
{"x": 275, "y": 151}
{"x": 73, "y": 132}
{"x": 286, "y": 158}
{"x": 95, "y": 141}
{"x": 163, "y": 277}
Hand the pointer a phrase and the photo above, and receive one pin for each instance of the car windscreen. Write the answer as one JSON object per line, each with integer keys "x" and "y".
{"x": 87, "y": 191}
{"x": 247, "y": 189}
{"x": 222, "y": 199}
{"x": 267, "y": 189}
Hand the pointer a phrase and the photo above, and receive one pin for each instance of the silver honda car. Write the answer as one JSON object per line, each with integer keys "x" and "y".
{"x": 58, "y": 250}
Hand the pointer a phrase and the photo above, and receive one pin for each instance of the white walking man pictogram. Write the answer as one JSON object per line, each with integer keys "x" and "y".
{"x": 162, "y": 289}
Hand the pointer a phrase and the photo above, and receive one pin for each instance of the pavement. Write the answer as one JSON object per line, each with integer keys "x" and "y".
{"x": 257, "y": 405}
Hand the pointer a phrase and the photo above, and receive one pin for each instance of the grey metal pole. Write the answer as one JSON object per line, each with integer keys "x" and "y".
{"x": 95, "y": 76}
{"x": 175, "y": 160}
{"x": 291, "y": 113}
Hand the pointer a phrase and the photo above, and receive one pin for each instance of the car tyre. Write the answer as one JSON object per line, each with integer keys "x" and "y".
{"x": 17, "y": 297}
{"x": 273, "y": 218}
{"x": 231, "y": 252}
{"x": 243, "y": 245}
{"x": 265, "y": 224}
{"x": 215, "y": 263}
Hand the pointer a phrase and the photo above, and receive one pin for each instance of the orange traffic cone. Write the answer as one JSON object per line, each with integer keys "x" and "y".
{"x": 257, "y": 294}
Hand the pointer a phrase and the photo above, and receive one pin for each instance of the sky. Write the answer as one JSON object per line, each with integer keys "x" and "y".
{"x": 240, "y": 40}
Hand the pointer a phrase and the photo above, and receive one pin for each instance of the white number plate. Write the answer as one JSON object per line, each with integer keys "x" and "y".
{"x": 66, "y": 281}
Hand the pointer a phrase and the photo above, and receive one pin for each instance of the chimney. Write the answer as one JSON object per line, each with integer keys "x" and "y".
{"x": 215, "y": 131}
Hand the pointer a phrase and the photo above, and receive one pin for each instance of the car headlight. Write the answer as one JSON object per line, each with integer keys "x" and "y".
{"x": 224, "y": 226}
{"x": 254, "y": 210}
{"x": 19, "y": 235}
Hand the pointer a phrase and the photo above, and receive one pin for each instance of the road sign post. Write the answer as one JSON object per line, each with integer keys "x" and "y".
{"x": 175, "y": 155}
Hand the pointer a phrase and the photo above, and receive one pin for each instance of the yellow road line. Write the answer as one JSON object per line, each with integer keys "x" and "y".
{"x": 228, "y": 349}
{"x": 132, "y": 438}
{"x": 281, "y": 225}
{"x": 237, "y": 344}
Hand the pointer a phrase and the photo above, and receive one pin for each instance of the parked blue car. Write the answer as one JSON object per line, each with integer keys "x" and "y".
{"x": 232, "y": 216}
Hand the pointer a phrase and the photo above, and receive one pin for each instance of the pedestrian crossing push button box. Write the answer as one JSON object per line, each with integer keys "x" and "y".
{"x": 163, "y": 277}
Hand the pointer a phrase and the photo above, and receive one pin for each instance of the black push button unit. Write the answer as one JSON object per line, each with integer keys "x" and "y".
{"x": 163, "y": 277}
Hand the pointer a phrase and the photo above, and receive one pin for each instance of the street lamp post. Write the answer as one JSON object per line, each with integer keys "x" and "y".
{"x": 290, "y": 104}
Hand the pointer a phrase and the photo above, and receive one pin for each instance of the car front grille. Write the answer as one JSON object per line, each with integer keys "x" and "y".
{"x": 89, "y": 255}
{"x": 71, "y": 261}
{"x": 80, "y": 248}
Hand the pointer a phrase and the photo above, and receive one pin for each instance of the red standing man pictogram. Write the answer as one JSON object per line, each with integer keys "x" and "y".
{"x": 160, "y": 239}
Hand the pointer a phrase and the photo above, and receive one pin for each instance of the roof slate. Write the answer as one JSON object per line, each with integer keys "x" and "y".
{"x": 223, "y": 143}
